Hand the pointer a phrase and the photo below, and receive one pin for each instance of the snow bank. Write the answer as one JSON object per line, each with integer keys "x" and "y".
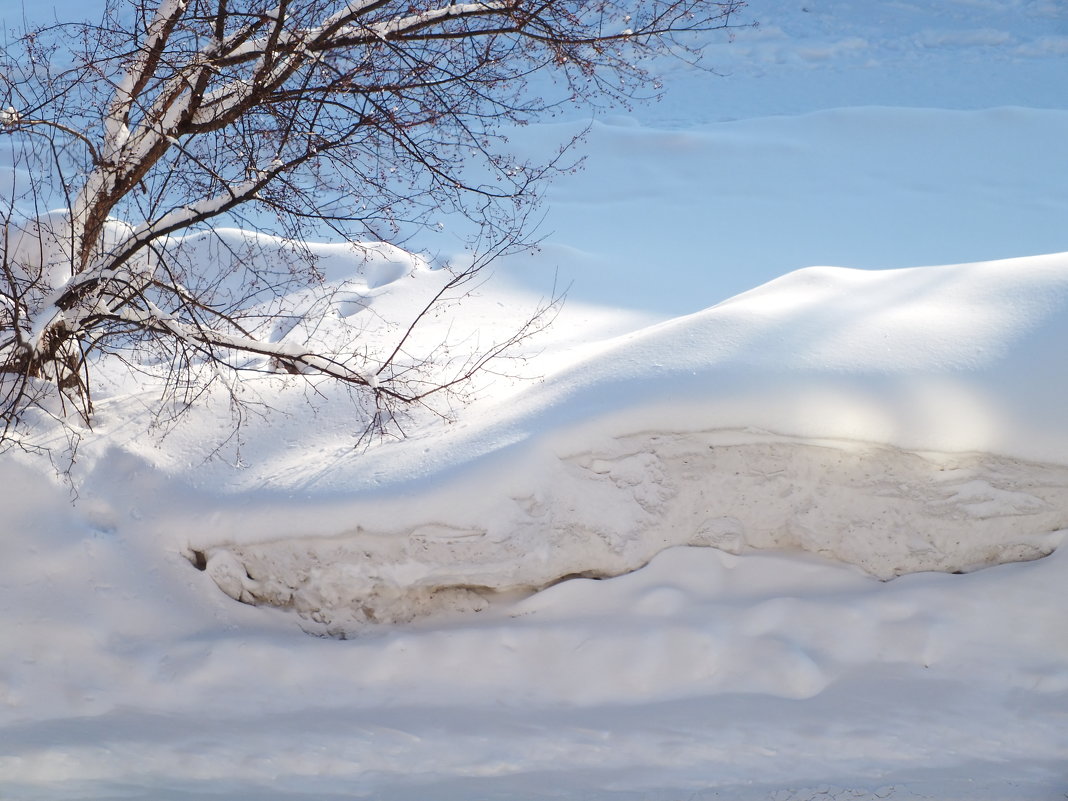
{"x": 762, "y": 676}
{"x": 799, "y": 415}
{"x": 897, "y": 421}
{"x": 900, "y": 421}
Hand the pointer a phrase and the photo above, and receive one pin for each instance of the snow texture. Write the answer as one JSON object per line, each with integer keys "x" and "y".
{"x": 739, "y": 527}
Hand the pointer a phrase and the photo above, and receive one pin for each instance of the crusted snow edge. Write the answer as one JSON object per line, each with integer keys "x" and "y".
{"x": 608, "y": 511}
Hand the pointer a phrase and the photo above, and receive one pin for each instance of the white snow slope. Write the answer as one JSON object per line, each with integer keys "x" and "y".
{"x": 800, "y": 542}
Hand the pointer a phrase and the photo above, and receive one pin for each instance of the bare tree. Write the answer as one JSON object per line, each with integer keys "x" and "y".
{"x": 360, "y": 118}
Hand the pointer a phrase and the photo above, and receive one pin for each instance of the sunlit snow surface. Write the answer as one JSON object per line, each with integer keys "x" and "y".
{"x": 808, "y": 434}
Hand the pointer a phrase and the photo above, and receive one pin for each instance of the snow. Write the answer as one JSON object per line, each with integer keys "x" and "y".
{"x": 737, "y": 526}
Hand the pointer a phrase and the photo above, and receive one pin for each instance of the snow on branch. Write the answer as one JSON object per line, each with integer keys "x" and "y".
{"x": 361, "y": 120}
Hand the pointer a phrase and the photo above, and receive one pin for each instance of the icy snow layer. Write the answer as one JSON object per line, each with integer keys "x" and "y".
{"x": 605, "y": 513}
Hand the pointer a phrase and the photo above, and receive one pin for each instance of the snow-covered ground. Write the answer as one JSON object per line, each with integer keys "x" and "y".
{"x": 722, "y": 542}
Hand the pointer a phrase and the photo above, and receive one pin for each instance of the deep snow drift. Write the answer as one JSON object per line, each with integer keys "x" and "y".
{"x": 749, "y": 425}
{"x": 879, "y": 403}
{"x": 761, "y": 463}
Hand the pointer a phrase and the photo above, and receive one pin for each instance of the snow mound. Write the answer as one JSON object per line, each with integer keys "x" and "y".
{"x": 916, "y": 428}
{"x": 960, "y": 358}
